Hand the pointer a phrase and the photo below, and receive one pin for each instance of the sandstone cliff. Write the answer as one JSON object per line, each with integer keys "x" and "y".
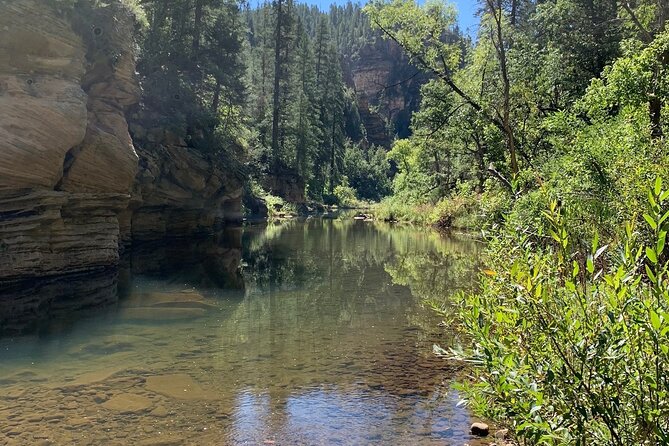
{"x": 178, "y": 191}
{"x": 387, "y": 89}
{"x": 73, "y": 187}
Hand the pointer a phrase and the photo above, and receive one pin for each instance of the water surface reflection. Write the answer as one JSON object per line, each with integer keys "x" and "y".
{"x": 300, "y": 333}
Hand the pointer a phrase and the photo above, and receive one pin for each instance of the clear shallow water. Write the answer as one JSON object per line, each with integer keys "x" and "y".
{"x": 303, "y": 333}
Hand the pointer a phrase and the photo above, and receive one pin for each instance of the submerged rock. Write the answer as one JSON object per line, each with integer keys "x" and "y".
{"x": 127, "y": 403}
{"x": 91, "y": 378}
{"x": 178, "y": 299}
{"x": 179, "y": 386}
{"x": 160, "y": 412}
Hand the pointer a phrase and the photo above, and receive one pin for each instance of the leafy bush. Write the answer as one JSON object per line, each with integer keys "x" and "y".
{"x": 345, "y": 195}
{"x": 367, "y": 172}
{"x": 573, "y": 346}
{"x": 398, "y": 209}
{"x": 458, "y": 210}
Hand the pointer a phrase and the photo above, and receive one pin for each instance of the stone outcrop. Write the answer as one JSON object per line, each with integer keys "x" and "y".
{"x": 178, "y": 191}
{"x": 286, "y": 184}
{"x": 66, "y": 161}
{"x": 387, "y": 90}
{"x": 72, "y": 184}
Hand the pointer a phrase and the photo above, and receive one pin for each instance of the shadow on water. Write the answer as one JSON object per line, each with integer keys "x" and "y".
{"x": 304, "y": 332}
{"x": 51, "y": 304}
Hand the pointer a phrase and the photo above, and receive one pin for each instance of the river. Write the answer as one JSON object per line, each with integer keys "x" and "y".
{"x": 296, "y": 333}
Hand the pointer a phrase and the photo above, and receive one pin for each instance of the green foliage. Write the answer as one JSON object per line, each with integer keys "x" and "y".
{"x": 570, "y": 336}
{"x": 635, "y": 77}
{"x": 300, "y": 112}
{"x": 277, "y": 207}
{"x": 136, "y": 9}
{"x": 572, "y": 345}
{"x": 460, "y": 209}
{"x": 397, "y": 209}
{"x": 345, "y": 196}
{"x": 367, "y": 171}
{"x": 192, "y": 70}
{"x": 419, "y": 29}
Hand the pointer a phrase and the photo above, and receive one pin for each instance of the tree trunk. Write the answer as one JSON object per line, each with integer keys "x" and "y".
{"x": 276, "y": 108}
{"x": 480, "y": 160}
{"x": 332, "y": 152}
{"x": 498, "y": 35}
{"x": 217, "y": 97}
{"x": 655, "y": 100}
{"x": 197, "y": 28}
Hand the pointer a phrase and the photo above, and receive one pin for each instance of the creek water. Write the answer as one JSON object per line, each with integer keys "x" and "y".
{"x": 298, "y": 333}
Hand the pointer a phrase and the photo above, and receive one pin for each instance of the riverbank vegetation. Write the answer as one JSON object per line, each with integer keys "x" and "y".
{"x": 550, "y": 132}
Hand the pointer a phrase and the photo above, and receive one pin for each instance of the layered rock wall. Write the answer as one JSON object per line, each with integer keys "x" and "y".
{"x": 179, "y": 192}
{"x": 66, "y": 162}
{"x": 387, "y": 90}
{"x": 72, "y": 185}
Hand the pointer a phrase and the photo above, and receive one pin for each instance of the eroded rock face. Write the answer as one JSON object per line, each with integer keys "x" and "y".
{"x": 387, "y": 89}
{"x": 105, "y": 161}
{"x": 67, "y": 162}
{"x": 43, "y": 105}
{"x": 68, "y": 165}
{"x": 180, "y": 192}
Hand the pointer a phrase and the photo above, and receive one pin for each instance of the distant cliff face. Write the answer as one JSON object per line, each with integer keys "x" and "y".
{"x": 68, "y": 165}
{"x": 387, "y": 90}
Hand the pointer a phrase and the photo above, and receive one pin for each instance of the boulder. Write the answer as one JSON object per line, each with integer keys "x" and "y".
{"x": 480, "y": 429}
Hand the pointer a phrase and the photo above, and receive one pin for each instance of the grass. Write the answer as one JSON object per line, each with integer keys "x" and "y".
{"x": 452, "y": 212}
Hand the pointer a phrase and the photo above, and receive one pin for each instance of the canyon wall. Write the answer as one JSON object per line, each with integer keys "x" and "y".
{"x": 387, "y": 89}
{"x": 74, "y": 186}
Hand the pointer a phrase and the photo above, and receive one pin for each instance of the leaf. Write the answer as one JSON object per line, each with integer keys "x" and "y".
{"x": 652, "y": 256}
{"x": 651, "y": 222}
{"x": 600, "y": 251}
{"x": 661, "y": 239}
{"x": 576, "y": 269}
{"x": 650, "y": 274}
{"x": 595, "y": 241}
{"x": 628, "y": 230}
{"x": 658, "y": 186}
{"x": 664, "y": 217}
{"x": 590, "y": 265}
{"x": 651, "y": 200}
{"x": 655, "y": 320}
{"x": 489, "y": 272}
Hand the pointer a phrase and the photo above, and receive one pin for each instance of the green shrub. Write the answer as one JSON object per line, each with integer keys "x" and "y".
{"x": 367, "y": 171}
{"x": 572, "y": 347}
{"x": 461, "y": 209}
{"x": 345, "y": 196}
{"x": 397, "y": 209}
